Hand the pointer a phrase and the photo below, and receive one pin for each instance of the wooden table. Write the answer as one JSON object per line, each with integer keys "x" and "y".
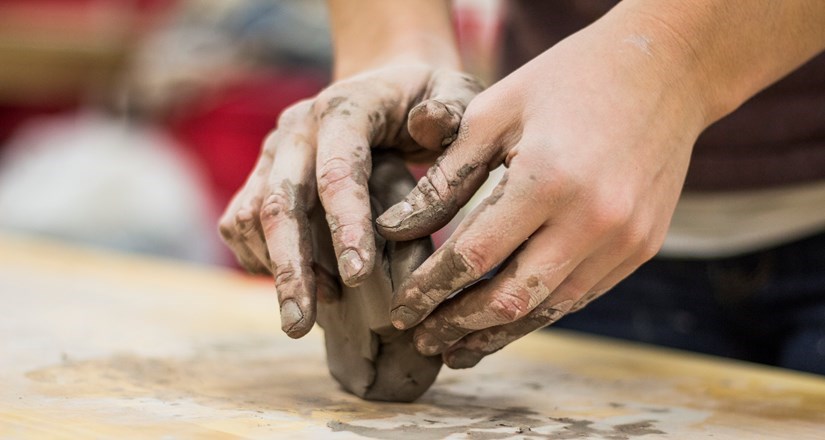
{"x": 94, "y": 344}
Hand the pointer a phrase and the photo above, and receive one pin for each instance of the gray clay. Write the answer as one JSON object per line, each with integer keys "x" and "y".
{"x": 365, "y": 353}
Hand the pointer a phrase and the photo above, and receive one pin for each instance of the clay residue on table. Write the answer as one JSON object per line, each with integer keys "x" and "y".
{"x": 249, "y": 379}
{"x": 504, "y": 424}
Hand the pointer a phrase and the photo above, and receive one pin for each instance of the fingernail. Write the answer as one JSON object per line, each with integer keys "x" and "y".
{"x": 462, "y": 358}
{"x": 426, "y": 344}
{"x": 351, "y": 264}
{"x": 393, "y": 217}
{"x": 403, "y": 317}
{"x": 290, "y": 315}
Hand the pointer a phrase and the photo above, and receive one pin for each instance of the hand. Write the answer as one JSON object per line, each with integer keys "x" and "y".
{"x": 326, "y": 140}
{"x": 596, "y": 135}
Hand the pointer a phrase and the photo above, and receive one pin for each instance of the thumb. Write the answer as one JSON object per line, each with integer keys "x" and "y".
{"x": 433, "y": 123}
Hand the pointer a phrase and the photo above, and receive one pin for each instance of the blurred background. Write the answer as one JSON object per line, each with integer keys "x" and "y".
{"x": 129, "y": 124}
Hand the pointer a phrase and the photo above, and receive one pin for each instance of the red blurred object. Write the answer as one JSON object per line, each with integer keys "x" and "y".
{"x": 226, "y": 131}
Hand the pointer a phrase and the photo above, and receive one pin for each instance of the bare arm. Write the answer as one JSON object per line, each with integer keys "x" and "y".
{"x": 597, "y": 134}
{"x": 397, "y": 86}
{"x": 730, "y": 50}
{"x": 367, "y": 34}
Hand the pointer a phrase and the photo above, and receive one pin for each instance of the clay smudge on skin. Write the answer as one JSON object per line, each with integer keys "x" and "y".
{"x": 433, "y": 124}
{"x": 483, "y": 343}
{"x": 446, "y": 272}
{"x": 587, "y": 299}
{"x": 298, "y": 279}
{"x": 428, "y": 208}
{"x": 365, "y": 354}
{"x": 334, "y": 103}
{"x": 462, "y": 174}
{"x": 357, "y": 174}
{"x": 491, "y": 200}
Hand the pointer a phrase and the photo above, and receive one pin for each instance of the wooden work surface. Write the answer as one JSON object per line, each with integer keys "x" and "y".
{"x": 106, "y": 346}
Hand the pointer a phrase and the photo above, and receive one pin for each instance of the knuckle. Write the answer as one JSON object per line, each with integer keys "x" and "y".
{"x": 509, "y": 305}
{"x": 284, "y": 273}
{"x": 243, "y": 222}
{"x": 278, "y": 204}
{"x": 350, "y": 229}
{"x": 294, "y": 114}
{"x": 451, "y": 331}
{"x": 557, "y": 186}
{"x": 434, "y": 184}
{"x": 444, "y": 328}
{"x": 226, "y": 228}
{"x": 472, "y": 260}
{"x": 631, "y": 238}
{"x": 609, "y": 215}
{"x": 648, "y": 250}
{"x": 546, "y": 314}
{"x": 327, "y": 102}
{"x": 334, "y": 176}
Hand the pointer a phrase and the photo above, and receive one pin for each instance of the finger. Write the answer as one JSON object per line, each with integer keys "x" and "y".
{"x": 608, "y": 282}
{"x": 625, "y": 255}
{"x": 239, "y": 226}
{"x": 543, "y": 263}
{"x": 433, "y": 123}
{"x": 250, "y": 234}
{"x": 437, "y": 197}
{"x": 474, "y": 249}
{"x": 246, "y": 259}
{"x": 343, "y": 169}
{"x": 578, "y": 284}
{"x": 285, "y": 224}
{"x": 470, "y": 350}
{"x": 443, "y": 190}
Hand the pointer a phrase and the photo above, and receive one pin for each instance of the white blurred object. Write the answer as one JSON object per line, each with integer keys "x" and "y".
{"x": 98, "y": 180}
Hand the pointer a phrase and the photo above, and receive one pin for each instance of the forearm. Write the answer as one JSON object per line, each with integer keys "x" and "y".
{"x": 368, "y": 33}
{"x": 730, "y": 49}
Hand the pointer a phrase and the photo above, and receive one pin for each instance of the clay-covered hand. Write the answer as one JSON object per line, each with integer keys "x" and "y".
{"x": 325, "y": 143}
{"x": 596, "y": 138}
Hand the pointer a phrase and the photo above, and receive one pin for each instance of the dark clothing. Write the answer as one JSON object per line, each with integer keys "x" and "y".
{"x": 767, "y": 306}
{"x": 776, "y": 138}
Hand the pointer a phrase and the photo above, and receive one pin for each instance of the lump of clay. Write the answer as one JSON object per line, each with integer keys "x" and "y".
{"x": 365, "y": 353}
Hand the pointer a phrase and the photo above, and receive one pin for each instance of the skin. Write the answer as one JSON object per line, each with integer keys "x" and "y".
{"x": 406, "y": 99}
{"x": 596, "y": 134}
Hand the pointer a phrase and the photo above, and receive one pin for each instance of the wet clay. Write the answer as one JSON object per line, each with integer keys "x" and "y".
{"x": 365, "y": 353}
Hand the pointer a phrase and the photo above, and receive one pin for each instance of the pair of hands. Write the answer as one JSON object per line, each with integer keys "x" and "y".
{"x": 596, "y": 141}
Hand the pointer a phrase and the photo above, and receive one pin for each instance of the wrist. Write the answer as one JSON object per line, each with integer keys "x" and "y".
{"x": 381, "y": 31}
{"x": 411, "y": 48}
